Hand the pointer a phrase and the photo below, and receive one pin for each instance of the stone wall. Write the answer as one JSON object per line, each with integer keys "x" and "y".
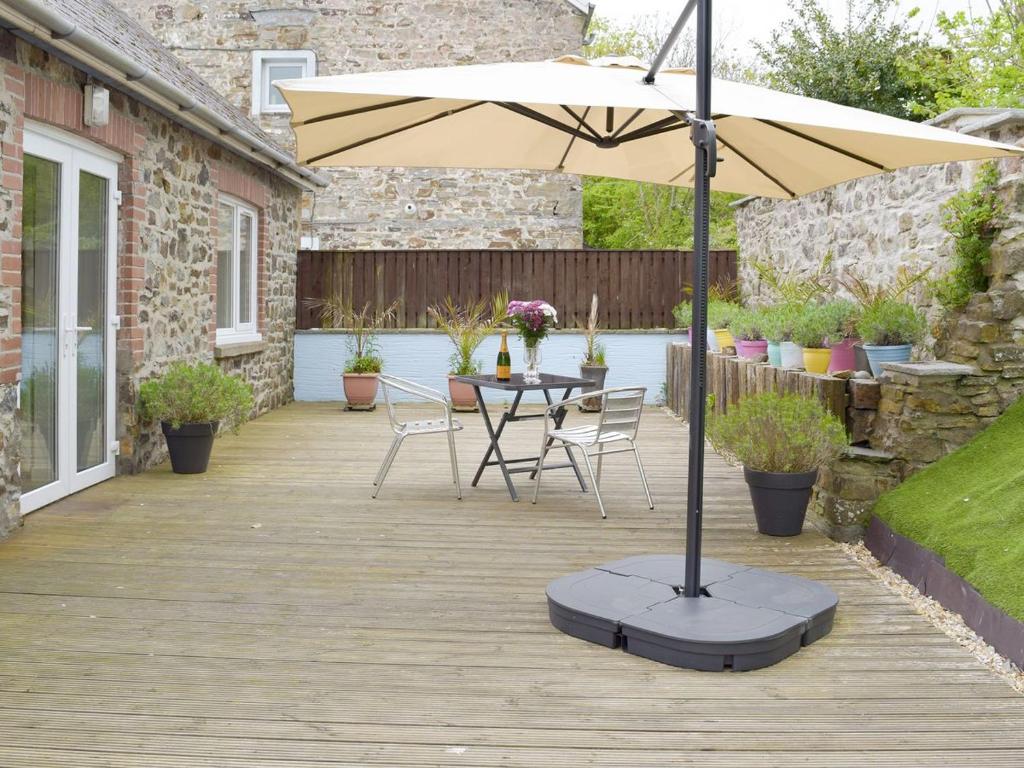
{"x": 365, "y": 208}
{"x": 170, "y": 179}
{"x": 875, "y": 225}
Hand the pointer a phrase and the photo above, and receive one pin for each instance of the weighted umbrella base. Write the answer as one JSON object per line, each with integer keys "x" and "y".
{"x": 746, "y": 618}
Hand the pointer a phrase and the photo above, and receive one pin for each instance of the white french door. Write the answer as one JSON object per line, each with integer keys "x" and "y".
{"x": 69, "y": 239}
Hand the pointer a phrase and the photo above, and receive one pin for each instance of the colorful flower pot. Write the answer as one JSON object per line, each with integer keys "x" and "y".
{"x": 792, "y": 354}
{"x": 751, "y": 350}
{"x": 899, "y": 353}
{"x": 713, "y": 344}
{"x": 816, "y": 359}
{"x": 844, "y": 356}
{"x": 774, "y": 354}
{"x": 724, "y": 339}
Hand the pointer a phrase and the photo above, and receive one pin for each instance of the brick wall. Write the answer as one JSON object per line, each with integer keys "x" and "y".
{"x": 169, "y": 180}
{"x": 365, "y": 208}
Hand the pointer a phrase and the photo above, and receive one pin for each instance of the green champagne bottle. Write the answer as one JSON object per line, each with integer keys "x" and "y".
{"x": 504, "y": 370}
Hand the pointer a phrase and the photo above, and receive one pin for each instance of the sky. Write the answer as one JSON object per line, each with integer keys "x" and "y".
{"x": 745, "y": 20}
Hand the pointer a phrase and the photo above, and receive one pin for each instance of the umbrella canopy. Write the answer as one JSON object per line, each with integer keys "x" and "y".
{"x": 600, "y": 118}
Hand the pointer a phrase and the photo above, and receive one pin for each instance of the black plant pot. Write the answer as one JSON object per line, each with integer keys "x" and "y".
{"x": 190, "y": 446}
{"x": 780, "y": 499}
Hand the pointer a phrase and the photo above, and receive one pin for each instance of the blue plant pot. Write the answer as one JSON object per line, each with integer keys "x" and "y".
{"x": 899, "y": 353}
{"x": 774, "y": 354}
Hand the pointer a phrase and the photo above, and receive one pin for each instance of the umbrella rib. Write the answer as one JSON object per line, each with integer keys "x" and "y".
{"x": 386, "y": 134}
{"x": 685, "y": 170}
{"x": 360, "y": 110}
{"x": 568, "y": 148}
{"x": 626, "y": 124}
{"x": 825, "y": 144}
{"x": 646, "y": 133}
{"x": 540, "y": 117}
{"x": 757, "y": 167}
{"x": 581, "y": 121}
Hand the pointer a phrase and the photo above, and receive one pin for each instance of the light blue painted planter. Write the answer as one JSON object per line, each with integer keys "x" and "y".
{"x": 774, "y": 354}
{"x": 899, "y": 353}
{"x": 634, "y": 359}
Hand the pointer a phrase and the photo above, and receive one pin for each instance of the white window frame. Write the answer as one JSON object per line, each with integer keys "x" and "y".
{"x": 261, "y": 83}
{"x": 239, "y": 331}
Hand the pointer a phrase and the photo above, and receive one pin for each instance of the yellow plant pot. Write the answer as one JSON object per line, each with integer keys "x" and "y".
{"x": 817, "y": 360}
{"x": 725, "y": 339}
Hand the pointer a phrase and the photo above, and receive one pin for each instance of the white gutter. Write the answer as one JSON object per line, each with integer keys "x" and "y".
{"x": 49, "y": 29}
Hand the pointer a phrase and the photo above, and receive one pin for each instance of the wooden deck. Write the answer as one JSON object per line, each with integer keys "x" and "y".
{"x": 270, "y": 615}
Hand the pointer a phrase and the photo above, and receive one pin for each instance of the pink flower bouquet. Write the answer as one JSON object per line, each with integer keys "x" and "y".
{"x": 532, "y": 319}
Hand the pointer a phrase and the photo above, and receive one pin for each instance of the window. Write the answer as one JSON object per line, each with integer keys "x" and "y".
{"x": 236, "y": 271}
{"x": 270, "y": 66}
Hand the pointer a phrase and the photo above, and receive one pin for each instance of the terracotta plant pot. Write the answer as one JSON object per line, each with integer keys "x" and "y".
{"x": 751, "y": 350}
{"x": 844, "y": 356}
{"x": 360, "y": 389}
{"x": 780, "y": 500}
{"x": 462, "y": 394}
{"x": 816, "y": 359}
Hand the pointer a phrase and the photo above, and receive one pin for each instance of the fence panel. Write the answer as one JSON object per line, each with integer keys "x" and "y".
{"x": 636, "y": 289}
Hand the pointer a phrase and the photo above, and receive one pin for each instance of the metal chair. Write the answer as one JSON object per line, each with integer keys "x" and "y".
{"x": 620, "y": 419}
{"x": 446, "y": 424}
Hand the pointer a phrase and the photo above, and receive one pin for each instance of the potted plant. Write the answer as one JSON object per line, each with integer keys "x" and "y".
{"x": 533, "y": 320}
{"x": 843, "y": 316}
{"x": 811, "y": 331}
{"x": 467, "y": 328}
{"x": 778, "y": 323}
{"x": 593, "y": 366}
{"x": 721, "y": 313}
{"x": 190, "y": 402}
{"x": 747, "y": 329}
{"x": 362, "y": 369}
{"x": 782, "y": 441}
{"x": 890, "y": 328}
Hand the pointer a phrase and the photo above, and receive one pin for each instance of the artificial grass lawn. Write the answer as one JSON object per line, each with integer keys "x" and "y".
{"x": 969, "y": 508}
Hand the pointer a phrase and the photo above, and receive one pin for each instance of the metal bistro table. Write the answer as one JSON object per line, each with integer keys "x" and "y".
{"x": 547, "y": 383}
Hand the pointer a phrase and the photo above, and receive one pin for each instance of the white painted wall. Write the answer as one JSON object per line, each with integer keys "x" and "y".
{"x": 634, "y": 358}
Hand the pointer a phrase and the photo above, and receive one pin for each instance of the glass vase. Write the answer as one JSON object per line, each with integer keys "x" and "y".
{"x": 531, "y": 356}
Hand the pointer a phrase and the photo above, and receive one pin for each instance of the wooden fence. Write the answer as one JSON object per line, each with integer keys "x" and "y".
{"x": 636, "y": 289}
{"x": 730, "y": 378}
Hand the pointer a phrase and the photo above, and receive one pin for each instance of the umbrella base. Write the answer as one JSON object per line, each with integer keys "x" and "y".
{"x": 746, "y": 618}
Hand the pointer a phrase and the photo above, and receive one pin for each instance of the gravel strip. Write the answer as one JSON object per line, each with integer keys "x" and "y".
{"x": 947, "y": 621}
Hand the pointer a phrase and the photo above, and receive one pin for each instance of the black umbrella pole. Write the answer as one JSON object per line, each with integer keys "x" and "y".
{"x": 704, "y": 165}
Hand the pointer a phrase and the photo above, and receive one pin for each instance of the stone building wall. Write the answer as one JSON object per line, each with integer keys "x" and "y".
{"x": 170, "y": 180}
{"x": 366, "y": 208}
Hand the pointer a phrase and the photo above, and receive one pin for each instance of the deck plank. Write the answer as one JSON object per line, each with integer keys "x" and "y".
{"x": 269, "y": 613}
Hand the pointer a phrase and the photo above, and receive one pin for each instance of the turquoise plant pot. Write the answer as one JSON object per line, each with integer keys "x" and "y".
{"x": 899, "y": 353}
{"x": 774, "y": 354}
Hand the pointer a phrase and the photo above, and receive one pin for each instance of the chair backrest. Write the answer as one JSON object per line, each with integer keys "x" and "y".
{"x": 393, "y": 384}
{"x": 620, "y": 410}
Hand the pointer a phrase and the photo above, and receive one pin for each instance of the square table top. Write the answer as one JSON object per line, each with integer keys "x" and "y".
{"x": 547, "y": 381}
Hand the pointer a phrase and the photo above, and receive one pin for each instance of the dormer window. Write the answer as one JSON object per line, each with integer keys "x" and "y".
{"x": 270, "y": 66}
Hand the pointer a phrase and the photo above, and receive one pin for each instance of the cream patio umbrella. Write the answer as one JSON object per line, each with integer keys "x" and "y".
{"x": 615, "y": 117}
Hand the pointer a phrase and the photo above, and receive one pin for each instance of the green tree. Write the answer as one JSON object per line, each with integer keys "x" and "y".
{"x": 860, "y": 63}
{"x": 635, "y": 215}
{"x": 979, "y": 62}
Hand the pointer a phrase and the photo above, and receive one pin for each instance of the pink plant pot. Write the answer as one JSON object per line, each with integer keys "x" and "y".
{"x": 751, "y": 350}
{"x": 843, "y": 356}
